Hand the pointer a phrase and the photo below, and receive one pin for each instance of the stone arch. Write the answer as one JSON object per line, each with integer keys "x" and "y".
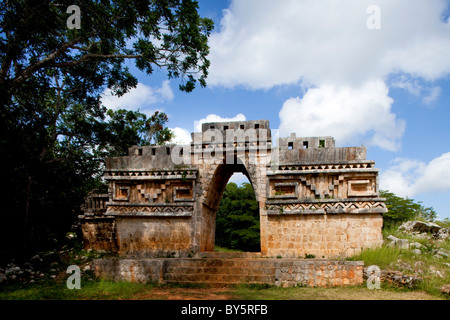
{"x": 309, "y": 192}
{"x": 211, "y": 201}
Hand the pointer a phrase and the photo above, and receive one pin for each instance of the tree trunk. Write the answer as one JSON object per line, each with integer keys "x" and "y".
{"x": 27, "y": 235}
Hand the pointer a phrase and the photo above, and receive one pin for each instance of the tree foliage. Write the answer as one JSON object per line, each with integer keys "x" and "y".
{"x": 126, "y": 128}
{"x": 237, "y": 222}
{"x": 54, "y": 131}
{"x": 404, "y": 209}
{"x": 37, "y": 45}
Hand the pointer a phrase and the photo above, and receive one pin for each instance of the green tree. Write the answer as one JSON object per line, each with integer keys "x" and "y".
{"x": 404, "y": 209}
{"x": 126, "y": 128}
{"x": 54, "y": 131}
{"x": 237, "y": 222}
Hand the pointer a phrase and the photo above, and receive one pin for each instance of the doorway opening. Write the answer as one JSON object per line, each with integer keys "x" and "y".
{"x": 237, "y": 218}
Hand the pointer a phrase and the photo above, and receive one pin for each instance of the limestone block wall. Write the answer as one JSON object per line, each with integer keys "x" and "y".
{"x": 324, "y": 236}
{"x": 99, "y": 234}
{"x": 154, "y": 237}
{"x": 133, "y": 270}
{"x": 318, "y": 273}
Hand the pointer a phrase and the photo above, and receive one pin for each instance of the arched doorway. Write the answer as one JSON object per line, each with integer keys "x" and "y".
{"x": 211, "y": 202}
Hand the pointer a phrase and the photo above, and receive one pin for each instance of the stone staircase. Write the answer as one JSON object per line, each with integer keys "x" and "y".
{"x": 220, "y": 269}
{"x": 224, "y": 268}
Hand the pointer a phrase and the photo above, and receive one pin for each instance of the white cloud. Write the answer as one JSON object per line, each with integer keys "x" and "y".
{"x": 433, "y": 95}
{"x": 262, "y": 44}
{"x": 407, "y": 177}
{"x": 181, "y": 136}
{"x": 414, "y": 87}
{"x": 238, "y": 178}
{"x": 345, "y": 113}
{"x": 142, "y": 97}
{"x": 165, "y": 92}
{"x": 326, "y": 48}
{"x": 217, "y": 118}
{"x": 411, "y": 85}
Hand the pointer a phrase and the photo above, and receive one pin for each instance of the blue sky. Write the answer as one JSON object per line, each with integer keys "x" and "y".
{"x": 373, "y": 73}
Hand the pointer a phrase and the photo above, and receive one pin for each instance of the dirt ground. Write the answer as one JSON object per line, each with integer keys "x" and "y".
{"x": 186, "y": 294}
{"x": 297, "y": 294}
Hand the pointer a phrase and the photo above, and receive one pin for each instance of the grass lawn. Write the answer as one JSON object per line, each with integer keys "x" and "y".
{"x": 434, "y": 272}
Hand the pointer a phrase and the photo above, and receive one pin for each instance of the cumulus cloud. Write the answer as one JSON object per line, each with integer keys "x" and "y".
{"x": 327, "y": 49}
{"x": 407, "y": 177}
{"x": 142, "y": 97}
{"x": 217, "y": 118}
{"x": 262, "y": 44}
{"x": 344, "y": 112}
{"x": 181, "y": 136}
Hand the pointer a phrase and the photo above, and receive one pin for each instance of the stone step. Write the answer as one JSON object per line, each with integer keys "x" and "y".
{"x": 217, "y": 262}
{"x": 221, "y": 270}
{"x": 229, "y": 255}
{"x": 212, "y": 284}
{"x": 219, "y": 278}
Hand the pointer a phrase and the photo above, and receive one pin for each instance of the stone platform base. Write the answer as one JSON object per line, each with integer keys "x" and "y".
{"x": 221, "y": 269}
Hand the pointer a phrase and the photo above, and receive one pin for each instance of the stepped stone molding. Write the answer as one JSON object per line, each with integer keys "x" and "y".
{"x": 366, "y": 166}
{"x": 137, "y": 209}
{"x": 328, "y": 207}
{"x": 121, "y": 174}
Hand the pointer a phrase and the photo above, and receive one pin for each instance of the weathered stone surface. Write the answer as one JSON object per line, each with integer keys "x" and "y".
{"x": 397, "y": 278}
{"x": 445, "y": 289}
{"x": 443, "y": 233}
{"x": 415, "y": 245}
{"x": 442, "y": 253}
{"x": 420, "y": 226}
{"x": 427, "y": 230}
{"x": 399, "y": 243}
{"x": 99, "y": 234}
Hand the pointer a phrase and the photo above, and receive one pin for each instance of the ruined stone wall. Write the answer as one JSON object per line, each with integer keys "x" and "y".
{"x": 99, "y": 234}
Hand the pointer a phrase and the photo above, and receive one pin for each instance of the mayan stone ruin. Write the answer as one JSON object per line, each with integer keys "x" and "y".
{"x": 314, "y": 198}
